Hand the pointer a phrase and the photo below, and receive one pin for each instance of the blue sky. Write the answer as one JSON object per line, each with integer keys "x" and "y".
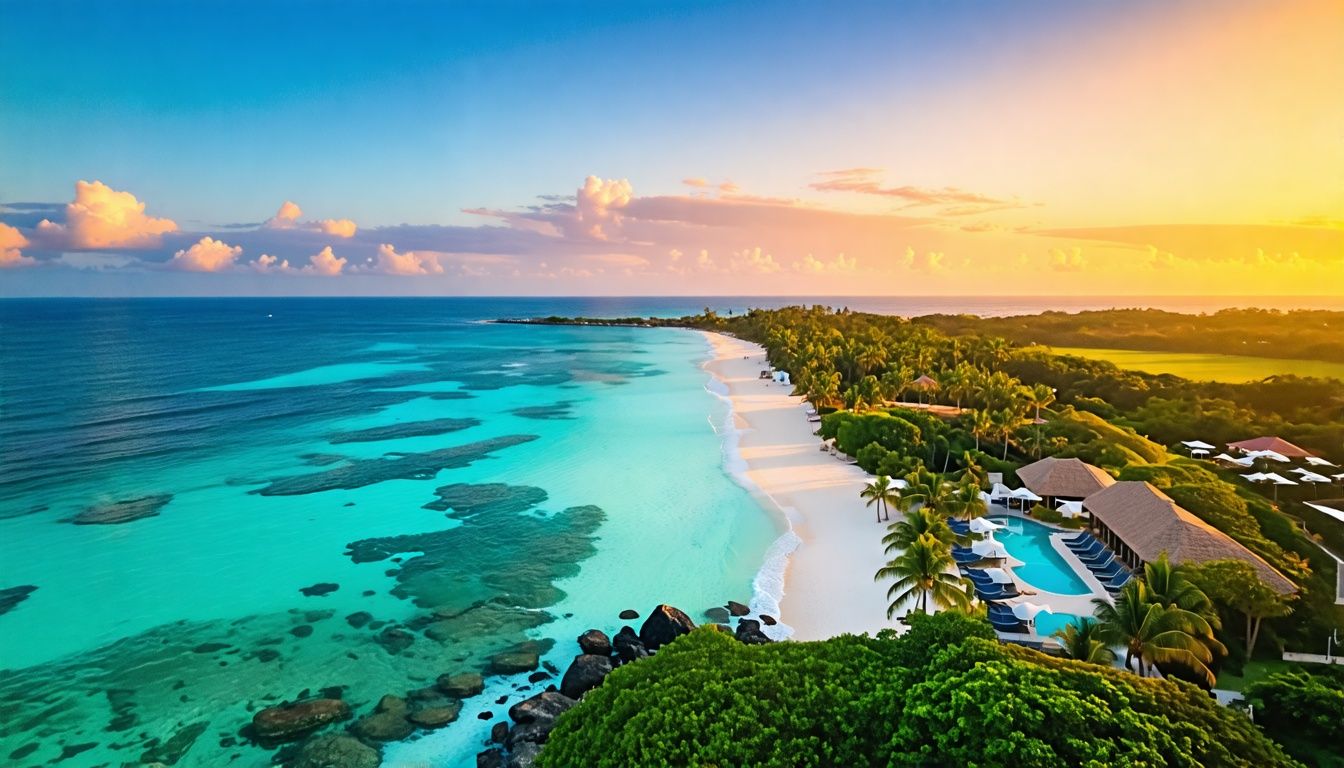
{"x": 214, "y": 113}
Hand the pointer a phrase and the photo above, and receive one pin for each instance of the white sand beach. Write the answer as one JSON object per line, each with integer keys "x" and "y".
{"x": 828, "y": 587}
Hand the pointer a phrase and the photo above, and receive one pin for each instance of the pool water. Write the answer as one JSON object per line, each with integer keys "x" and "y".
{"x": 1042, "y": 567}
{"x": 1048, "y": 623}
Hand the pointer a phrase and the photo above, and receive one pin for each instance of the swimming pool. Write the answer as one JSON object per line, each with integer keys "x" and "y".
{"x": 1042, "y": 568}
{"x": 1048, "y": 623}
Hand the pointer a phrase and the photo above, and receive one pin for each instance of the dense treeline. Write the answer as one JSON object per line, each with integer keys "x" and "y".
{"x": 945, "y": 693}
{"x": 1299, "y": 334}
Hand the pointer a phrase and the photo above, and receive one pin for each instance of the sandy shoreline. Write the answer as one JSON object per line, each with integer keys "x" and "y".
{"x": 828, "y": 585}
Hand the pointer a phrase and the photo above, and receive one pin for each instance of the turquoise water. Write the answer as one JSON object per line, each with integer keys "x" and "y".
{"x": 1048, "y": 623}
{"x": 1043, "y": 568}
{"x": 570, "y": 473}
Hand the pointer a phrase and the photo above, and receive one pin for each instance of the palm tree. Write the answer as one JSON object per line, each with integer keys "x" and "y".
{"x": 1168, "y": 587}
{"x": 1040, "y": 396}
{"x": 982, "y": 425}
{"x": 964, "y": 501}
{"x": 916, "y": 523}
{"x": 922, "y": 572}
{"x": 1152, "y": 633}
{"x": 1080, "y": 642}
{"x": 1003, "y": 421}
{"x": 881, "y": 493}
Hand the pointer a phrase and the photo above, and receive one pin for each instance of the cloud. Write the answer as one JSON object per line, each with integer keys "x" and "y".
{"x": 266, "y": 263}
{"x": 390, "y": 262}
{"x": 1217, "y": 242}
{"x": 11, "y": 240}
{"x": 754, "y": 260}
{"x": 599, "y": 202}
{"x": 286, "y": 217}
{"x": 206, "y": 255}
{"x": 867, "y": 181}
{"x": 928, "y": 262}
{"x": 699, "y": 182}
{"x": 339, "y": 227}
{"x": 324, "y": 263}
{"x": 1067, "y": 261}
{"x": 101, "y": 217}
{"x": 812, "y": 265}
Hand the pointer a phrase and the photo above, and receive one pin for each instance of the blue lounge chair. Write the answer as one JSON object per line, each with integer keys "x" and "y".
{"x": 1115, "y": 584}
{"x": 1091, "y": 548}
{"x": 1115, "y": 568}
{"x": 1004, "y": 592}
{"x": 1015, "y": 626}
{"x": 1099, "y": 559}
{"x": 1079, "y": 539}
{"x": 965, "y": 556}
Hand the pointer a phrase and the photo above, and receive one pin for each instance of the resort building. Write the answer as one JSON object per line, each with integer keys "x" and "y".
{"x": 1275, "y": 444}
{"x": 1063, "y": 479}
{"x": 1139, "y": 522}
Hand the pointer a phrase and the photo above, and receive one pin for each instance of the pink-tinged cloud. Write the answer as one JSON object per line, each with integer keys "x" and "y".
{"x": 325, "y": 263}
{"x": 389, "y": 262}
{"x": 206, "y": 255}
{"x": 101, "y": 217}
{"x": 338, "y": 227}
{"x": 928, "y": 262}
{"x": 265, "y": 263}
{"x": 286, "y": 217}
{"x": 11, "y": 240}
{"x": 600, "y": 202}
{"x": 867, "y": 181}
{"x": 1068, "y": 261}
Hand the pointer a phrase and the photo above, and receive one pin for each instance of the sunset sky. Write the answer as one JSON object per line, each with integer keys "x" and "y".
{"x": 937, "y": 148}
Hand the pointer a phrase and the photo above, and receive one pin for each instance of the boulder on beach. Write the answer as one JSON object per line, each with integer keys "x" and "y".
{"x": 628, "y": 646}
{"x": 629, "y": 614}
{"x": 514, "y": 662}
{"x": 717, "y": 614}
{"x": 768, "y": 620}
{"x": 490, "y": 758}
{"x": 387, "y": 722}
{"x": 524, "y": 755}
{"x": 335, "y": 751}
{"x": 438, "y": 714}
{"x": 585, "y": 673}
{"x": 737, "y": 609}
{"x": 596, "y": 642}
{"x": 290, "y": 721}
{"x": 461, "y": 686}
{"x": 664, "y": 625}
{"x": 544, "y": 708}
{"x": 749, "y": 632}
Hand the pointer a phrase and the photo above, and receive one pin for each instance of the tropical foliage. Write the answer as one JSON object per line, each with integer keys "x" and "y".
{"x": 1304, "y": 711}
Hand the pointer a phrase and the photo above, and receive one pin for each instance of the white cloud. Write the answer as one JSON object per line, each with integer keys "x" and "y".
{"x": 11, "y": 240}
{"x": 102, "y": 217}
{"x": 928, "y": 262}
{"x": 409, "y": 263}
{"x": 325, "y": 263}
{"x": 266, "y": 263}
{"x": 206, "y": 255}
{"x": 1067, "y": 261}
{"x": 286, "y": 217}
{"x": 338, "y": 227}
{"x": 599, "y": 204}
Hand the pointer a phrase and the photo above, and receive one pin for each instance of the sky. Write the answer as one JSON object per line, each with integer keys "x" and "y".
{"x": 1153, "y": 147}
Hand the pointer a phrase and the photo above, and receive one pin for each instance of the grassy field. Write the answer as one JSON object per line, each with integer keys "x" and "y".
{"x": 1207, "y": 367}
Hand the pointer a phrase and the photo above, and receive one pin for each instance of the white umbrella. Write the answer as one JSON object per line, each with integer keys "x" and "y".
{"x": 999, "y": 491}
{"x": 1278, "y": 479}
{"x": 1027, "y": 611}
{"x": 998, "y": 576}
{"x": 899, "y": 484}
{"x": 989, "y": 549}
{"x": 1271, "y": 455}
{"x": 1331, "y": 511}
{"x": 1312, "y": 477}
{"x": 1197, "y": 444}
{"x": 1244, "y": 461}
{"x": 1319, "y": 462}
{"x": 1256, "y": 477}
{"x": 1071, "y": 508}
{"x": 1024, "y": 494}
{"x": 1340, "y": 476}
{"x": 1199, "y": 452}
{"x": 985, "y": 496}
{"x": 981, "y": 525}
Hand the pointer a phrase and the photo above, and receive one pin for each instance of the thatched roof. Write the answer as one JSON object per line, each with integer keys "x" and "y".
{"x": 1063, "y": 477}
{"x": 1276, "y": 444}
{"x": 1150, "y": 523}
{"x": 925, "y": 382}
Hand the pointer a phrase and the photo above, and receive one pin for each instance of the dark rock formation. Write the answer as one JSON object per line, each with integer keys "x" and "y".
{"x": 358, "y": 619}
{"x": 439, "y": 714}
{"x": 172, "y": 750}
{"x": 320, "y": 589}
{"x": 403, "y": 429}
{"x": 513, "y": 662}
{"x": 585, "y": 673}
{"x": 387, "y": 722}
{"x": 11, "y": 597}
{"x": 749, "y": 632}
{"x": 287, "y": 722}
{"x": 558, "y": 411}
{"x": 629, "y": 614}
{"x": 596, "y": 642}
{"x": 543, "y": 708}
{"x": 628, "y": 646}
{"x": 395, "y": 640}
{"x": 462, "y": 686}
{"x": 490, "y": 758}
{"x": 499, "y": 732}
{"x": 125, "y": 511}
{"x": 523, "y": 755}
{"x": 768, "y": 620}
{"x": 737, "y": 609}
{"x": 664, "y": 625}
{"x": 467, "y": 499}
{"x": 717, "y": 614}
{"x": 335, "y": 751}
{"x": 302, "y": 630}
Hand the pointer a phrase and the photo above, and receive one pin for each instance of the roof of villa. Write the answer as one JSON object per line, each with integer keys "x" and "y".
{"x": 1063, "y": 477}
{"x": 1276, "y": 444}
{"x": 925, "y": 381}
{"x": 1150, "y": 523}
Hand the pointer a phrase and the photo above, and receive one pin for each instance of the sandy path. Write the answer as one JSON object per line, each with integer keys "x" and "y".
{"x": 829, "y": 588}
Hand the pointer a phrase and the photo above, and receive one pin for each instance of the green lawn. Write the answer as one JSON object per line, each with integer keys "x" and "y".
{"x": 1255, "y": 670}
{"x": 1207, "y": 367}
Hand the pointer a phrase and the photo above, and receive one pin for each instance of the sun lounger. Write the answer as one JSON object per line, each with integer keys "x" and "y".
{"x": 1006, "y": 592}
{"x": 1115, "y": 568}
{"x": 1115, "y": 584}
{"x": 1080, "y": 539}
{"x": 1015, "y": 626}
{"x": 1099, "y": 560}
{"x": 1089, "y": 547}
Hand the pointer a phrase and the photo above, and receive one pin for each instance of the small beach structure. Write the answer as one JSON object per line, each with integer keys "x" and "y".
{"x": 1276, "y": 444}
{"x": 925, "y": 383}
{"x": 1243, "y": 461}
{"x": 1317, "y": 461}
{"x": 1071, "y": 508}
{"x": 1198, "y": 445}
{"x": 983, "y": 525}
{"x": 1138, "y": 523}
{"x": 1055, "y": 479}
{"x": 1338, "y": 514}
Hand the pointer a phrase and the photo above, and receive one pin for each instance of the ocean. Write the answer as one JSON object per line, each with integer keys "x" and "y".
{"x": 209, "y": 506}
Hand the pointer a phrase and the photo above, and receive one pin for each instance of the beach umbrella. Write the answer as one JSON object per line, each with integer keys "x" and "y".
{"x": 989, "y": 549}
{"x": 1199, "y": 445}
{"x": 899, "y": 484}
{"x": 1269, "y": 455}
{"x": 999, "y": 576}
{"x": 1331, "y": 511}
{"x": 1319, "y": 462}
{"x": 981, "y": 525}
{"x": 1256, "y": 477}
{"x": 1278, "y": 479}
{"x": 1071, "y": 508}
{"x": 1027, "y": 611}
{"x": 1024, "y": 494}
{"x": 1000, "y": 491}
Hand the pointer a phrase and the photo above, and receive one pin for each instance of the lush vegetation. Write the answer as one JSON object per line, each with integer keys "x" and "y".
{"x": 945, "y": 693}
{"x": 1304, "y": 711}
{"x": 1203, "y": 366}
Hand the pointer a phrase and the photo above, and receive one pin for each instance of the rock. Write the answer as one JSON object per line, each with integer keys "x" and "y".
{"x": 303, "y": 630}
{"x": 749, "y": 632}
{"x": 499, "y": 732}
{"x": 596, "y": 642}
{"x": 290, "y": 721}
{"x": 335, "y": 751}
{"x": 359, "y": 619}
{"x": 462, "y": 686}
{"x": 387, "y": 722}
{"x": 490, "y": 758}
{"x": 768, "y": 620}
{"x": 172, "y": 750}
{"x": 437, "y": 716}
{"x": 737, "y": 609}
{"x": 266, "y": 655}
{"x": 319, "y": 589}
{"x": 543, "y": 708}
{"x": 395, "y": 640}
{"x": 524, "y": 755}
{"x": 538, "y": 676}
{"x": 663, "y": 626}
{"x": 513, "y": 662}
{"x": 629, "y": 614}
{"x": 125, "y": 511}
{"x": 718, "y": 615}
{"x": 11, "y": 597}
{"x": 585, "y": 673}
{"x": 628, "y": 646}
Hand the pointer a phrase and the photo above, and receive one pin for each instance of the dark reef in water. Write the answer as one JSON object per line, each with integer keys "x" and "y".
{"x": 403, "y": 429}
{"x": 467, "y": 499}
{"x": 557, "y": 411}
{"x": 11, "y": 597}
{"x": 126, "y": 511}
{"x": 395, "y": 466}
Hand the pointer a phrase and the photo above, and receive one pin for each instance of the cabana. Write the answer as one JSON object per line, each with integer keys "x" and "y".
{"x": 924, "y": 383}
{"x": 1069, "y": 479}
{"x": 1140, "y": 522}
{"x": 1071, "y": 508}
{"x": 1276, "y": 444}
{"x": 983, "y": 525}
{"x": 1244, "y": 461}
{"x": 1198, "y": 445}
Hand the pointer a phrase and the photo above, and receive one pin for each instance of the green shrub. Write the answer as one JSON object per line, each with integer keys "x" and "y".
{"x": 1304, "y": 712}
